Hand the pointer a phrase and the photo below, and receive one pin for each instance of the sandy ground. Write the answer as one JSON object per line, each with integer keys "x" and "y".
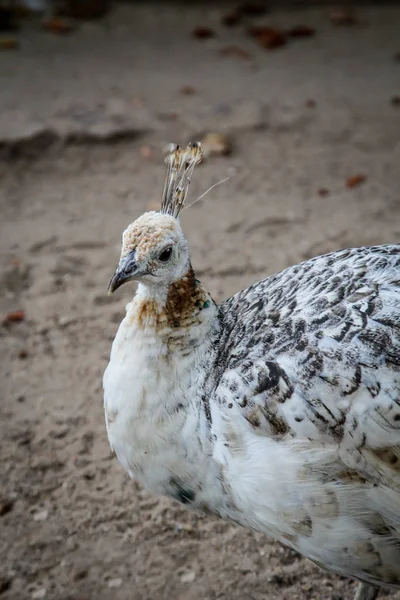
{"x": 304, "y": 117}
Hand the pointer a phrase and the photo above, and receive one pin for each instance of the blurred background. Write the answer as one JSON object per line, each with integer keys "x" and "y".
{"x": 299, "y": 103}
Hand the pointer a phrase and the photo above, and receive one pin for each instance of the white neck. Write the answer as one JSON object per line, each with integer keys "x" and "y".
{"x": 155, "y": 383}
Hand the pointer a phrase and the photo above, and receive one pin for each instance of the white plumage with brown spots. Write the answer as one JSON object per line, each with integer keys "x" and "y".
{"x": 278, "y": 409}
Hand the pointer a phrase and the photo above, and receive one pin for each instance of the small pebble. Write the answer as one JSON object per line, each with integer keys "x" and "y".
{"x": 65, "y": 321}
{"x": 39, "y": 594}
{"x": 188, "y": 577}
{"x": 184, "y": 527}
{"x": 115, "y": 583}
{"x": 41, "y": 515}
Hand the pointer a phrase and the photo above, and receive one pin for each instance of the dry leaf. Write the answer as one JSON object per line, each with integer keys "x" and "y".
{"x": 203, "y": 32}
{"x": 231, "y": 18}
{"x": 300, "y": 31}
{"x": 58, "y": 25}
{"x": 14, "y": 316}
{"x": 115, "y": 583}
{"x": 344, "y": 17}
{"x": 355, "y": 180}
{"x": 187, "y": 90}
{"x": 9, "y": 44}
{"x": 271, "y": 38}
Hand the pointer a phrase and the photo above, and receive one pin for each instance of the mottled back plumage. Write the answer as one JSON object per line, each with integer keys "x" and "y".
{"x": 310, "y": 357}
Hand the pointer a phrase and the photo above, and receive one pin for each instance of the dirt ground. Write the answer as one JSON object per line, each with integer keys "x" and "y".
{"x": 302, "y": 119}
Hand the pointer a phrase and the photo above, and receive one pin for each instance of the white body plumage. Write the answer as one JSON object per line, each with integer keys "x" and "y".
{"x": 308, "y": 461}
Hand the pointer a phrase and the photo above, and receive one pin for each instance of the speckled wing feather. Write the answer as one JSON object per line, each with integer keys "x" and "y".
{"x": 324, "y": 334}
{"x": 312, "y": 356}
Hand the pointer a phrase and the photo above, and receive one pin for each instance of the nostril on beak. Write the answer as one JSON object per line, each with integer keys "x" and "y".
{"x": 125, "y": 271}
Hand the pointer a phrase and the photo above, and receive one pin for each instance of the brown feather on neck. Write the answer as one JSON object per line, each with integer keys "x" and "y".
{"x": 186, "y": 299}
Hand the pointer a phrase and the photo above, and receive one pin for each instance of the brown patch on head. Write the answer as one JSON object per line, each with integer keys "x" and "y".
{"x": 147, "y": 232}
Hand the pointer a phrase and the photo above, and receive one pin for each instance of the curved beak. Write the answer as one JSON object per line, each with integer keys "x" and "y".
{"x": 127, "y": 269}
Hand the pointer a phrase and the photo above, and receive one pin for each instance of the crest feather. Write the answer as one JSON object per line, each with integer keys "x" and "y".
{"x": 180, "y": 166}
